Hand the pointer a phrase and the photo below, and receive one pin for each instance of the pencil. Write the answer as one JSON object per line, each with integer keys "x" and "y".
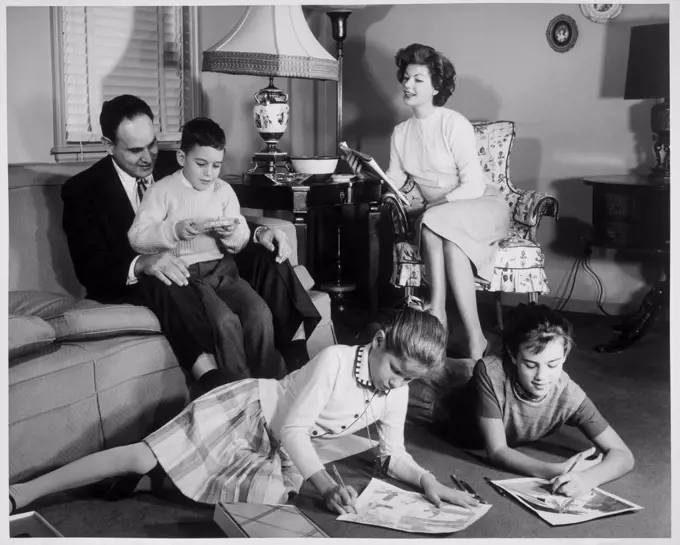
{"x": 338, "y": 477}
{"x": 471, "y": 491}
{"x": 457, "y": 482}
{"x": 571, "y": 467}
{"x": 566, "y": 504}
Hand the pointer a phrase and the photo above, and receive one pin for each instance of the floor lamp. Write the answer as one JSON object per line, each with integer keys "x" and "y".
{"x": 339, "y": 287}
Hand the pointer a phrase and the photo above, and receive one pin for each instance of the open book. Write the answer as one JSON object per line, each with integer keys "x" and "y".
{"x": 557, "y": 509}
{"x": 369, "y": 164}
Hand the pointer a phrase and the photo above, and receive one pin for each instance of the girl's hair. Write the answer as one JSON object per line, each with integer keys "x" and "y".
{"x": 534, "y": 326}
{"x": 203, "y": 132}
{"x": 441, "y": 69}
{"x": 416, "y": 334}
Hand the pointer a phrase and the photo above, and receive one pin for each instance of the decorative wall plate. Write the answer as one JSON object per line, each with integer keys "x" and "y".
{"x": 562, "y": 33}
{"x": 600, "y": 13}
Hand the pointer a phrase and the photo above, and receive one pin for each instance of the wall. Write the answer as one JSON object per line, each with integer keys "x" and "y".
{"x": 29, "y": 85}
{"x": 571, "y": 118}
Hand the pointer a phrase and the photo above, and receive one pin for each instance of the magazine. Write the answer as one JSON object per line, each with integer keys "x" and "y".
{"x": 557, "y": 509}
{"x": 382, "y": 504}
{"x": 371, "y": 165}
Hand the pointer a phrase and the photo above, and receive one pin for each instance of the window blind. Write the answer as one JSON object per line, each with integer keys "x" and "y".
{"x": 109, "y": 51}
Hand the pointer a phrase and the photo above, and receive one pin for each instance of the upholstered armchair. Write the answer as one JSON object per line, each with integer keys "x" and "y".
{"x": 520, "y": 262}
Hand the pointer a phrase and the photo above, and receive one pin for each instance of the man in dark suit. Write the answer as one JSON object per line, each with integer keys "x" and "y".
{"x": 99, "y": 208}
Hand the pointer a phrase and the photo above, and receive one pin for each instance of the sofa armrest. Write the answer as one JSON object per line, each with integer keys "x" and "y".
{"x": 286, "y": 226}
{"x": 530, "y": 207}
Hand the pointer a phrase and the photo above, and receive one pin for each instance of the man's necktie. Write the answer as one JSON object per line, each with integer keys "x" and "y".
{"x": 142, "y": 185}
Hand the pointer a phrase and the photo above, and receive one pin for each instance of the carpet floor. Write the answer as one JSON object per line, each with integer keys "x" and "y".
{"x": 631, "y": 389}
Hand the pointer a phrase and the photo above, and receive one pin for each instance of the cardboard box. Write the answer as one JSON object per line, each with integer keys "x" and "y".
{"x": 256, "y": 520}
{"x": 31, "y": 524}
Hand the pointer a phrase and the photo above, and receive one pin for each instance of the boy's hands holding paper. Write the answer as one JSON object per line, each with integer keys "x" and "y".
{"x": 222, "y": 227}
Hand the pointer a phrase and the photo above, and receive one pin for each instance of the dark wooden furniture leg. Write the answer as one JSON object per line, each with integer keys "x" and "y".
{"x": 636, "y": 327}
{"x": 300, "y": 223}
{"x": 373, "y": 219}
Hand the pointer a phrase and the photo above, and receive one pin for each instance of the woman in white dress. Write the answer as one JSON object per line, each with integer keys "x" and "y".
{"x": 463, "y": 215}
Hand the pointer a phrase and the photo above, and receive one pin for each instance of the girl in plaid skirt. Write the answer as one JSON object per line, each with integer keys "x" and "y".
{"x": 250, "y": 441}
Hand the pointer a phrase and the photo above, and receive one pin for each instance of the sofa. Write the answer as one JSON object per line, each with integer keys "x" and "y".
{"x": 85, "y": 376}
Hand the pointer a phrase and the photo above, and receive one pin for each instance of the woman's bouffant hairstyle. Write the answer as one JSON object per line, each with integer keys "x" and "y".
{"x": 203, "y": 132}
{"x": 117, "y": 109}
{"x": 416, "y": 334}
{"x": 442, "y": 72}
{"x": 534, "y": 326}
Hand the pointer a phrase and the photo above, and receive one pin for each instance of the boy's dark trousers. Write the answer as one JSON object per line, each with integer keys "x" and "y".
{"x": 241, "y": 321}
{"x": 190, "y": 330}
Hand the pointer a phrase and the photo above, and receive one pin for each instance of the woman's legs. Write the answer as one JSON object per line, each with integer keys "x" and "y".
{"x": 433, "y": 247}
{"x": 137, "y": 458}
{"x": 462, "y": 282}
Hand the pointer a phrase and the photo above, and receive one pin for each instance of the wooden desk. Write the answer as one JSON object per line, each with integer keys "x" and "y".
{"x": 632, "y": 214}
{"x": 300, "y": 199}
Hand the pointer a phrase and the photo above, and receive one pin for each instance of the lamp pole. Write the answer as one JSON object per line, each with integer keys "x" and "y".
{"x": 339, "y": 25}
{"x": 338, "y": 288}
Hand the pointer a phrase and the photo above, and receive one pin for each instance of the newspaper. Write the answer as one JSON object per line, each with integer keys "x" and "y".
{"x": 557, "y": 509}
{"x": 382, "y": 504}
{"x": 373, "y": 167}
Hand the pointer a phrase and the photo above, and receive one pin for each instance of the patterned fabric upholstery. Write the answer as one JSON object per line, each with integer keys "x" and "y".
{"x": 519, "y": 264}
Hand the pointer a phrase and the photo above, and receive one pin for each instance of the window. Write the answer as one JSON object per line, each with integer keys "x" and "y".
{"x": 102, "y": 52}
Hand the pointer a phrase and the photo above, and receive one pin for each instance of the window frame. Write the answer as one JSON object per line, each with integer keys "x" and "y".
{"x": 63, "y": 151}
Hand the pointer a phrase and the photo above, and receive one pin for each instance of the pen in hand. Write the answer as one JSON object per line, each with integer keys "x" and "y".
{"x": 338, "y": 477}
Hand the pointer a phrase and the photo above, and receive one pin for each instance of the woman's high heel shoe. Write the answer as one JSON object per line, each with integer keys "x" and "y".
{"x": 123, "y": 487}
{"x": 12, "y": 505}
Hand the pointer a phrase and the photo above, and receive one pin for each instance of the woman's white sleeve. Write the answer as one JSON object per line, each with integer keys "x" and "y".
{"x": 396, "y": 171}
{"x": 463, "y": 144}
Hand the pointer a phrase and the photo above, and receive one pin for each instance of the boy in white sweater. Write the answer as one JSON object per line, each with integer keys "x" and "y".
{"x": 196, "y": 215}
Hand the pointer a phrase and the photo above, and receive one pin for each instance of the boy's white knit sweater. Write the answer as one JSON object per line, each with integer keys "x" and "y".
{"x": 174, "y": 199}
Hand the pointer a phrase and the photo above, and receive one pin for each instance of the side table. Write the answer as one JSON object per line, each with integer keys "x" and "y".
{"x": 300, "y": 199}
{"x": 631, "y": 214}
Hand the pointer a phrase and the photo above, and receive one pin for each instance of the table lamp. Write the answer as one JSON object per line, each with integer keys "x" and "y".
{"x": 647, "y": 77}
{"x": 271, "y": 41}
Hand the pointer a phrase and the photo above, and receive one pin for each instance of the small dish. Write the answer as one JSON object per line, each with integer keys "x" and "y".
{"x": 314, "y": 165}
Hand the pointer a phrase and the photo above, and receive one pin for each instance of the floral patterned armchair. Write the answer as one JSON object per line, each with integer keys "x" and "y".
{"x": 519, "y": 263}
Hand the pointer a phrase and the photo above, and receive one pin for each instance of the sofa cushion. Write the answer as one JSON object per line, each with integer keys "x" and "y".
{"x": 74, "y": 319}
{"x": 27, "y": 334}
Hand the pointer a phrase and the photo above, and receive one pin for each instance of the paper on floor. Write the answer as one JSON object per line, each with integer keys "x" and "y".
{"x": 383, "y": 504}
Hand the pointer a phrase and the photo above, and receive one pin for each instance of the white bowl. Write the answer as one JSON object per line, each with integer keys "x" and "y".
{"x": 314, "y": 165}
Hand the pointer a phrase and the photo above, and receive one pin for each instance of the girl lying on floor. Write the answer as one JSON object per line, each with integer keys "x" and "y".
{"x": 525, "y": 395}
{"x": 250, "y": 441}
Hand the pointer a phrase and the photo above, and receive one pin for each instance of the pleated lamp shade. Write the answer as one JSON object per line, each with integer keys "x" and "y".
{"x": 272, "y": 41}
